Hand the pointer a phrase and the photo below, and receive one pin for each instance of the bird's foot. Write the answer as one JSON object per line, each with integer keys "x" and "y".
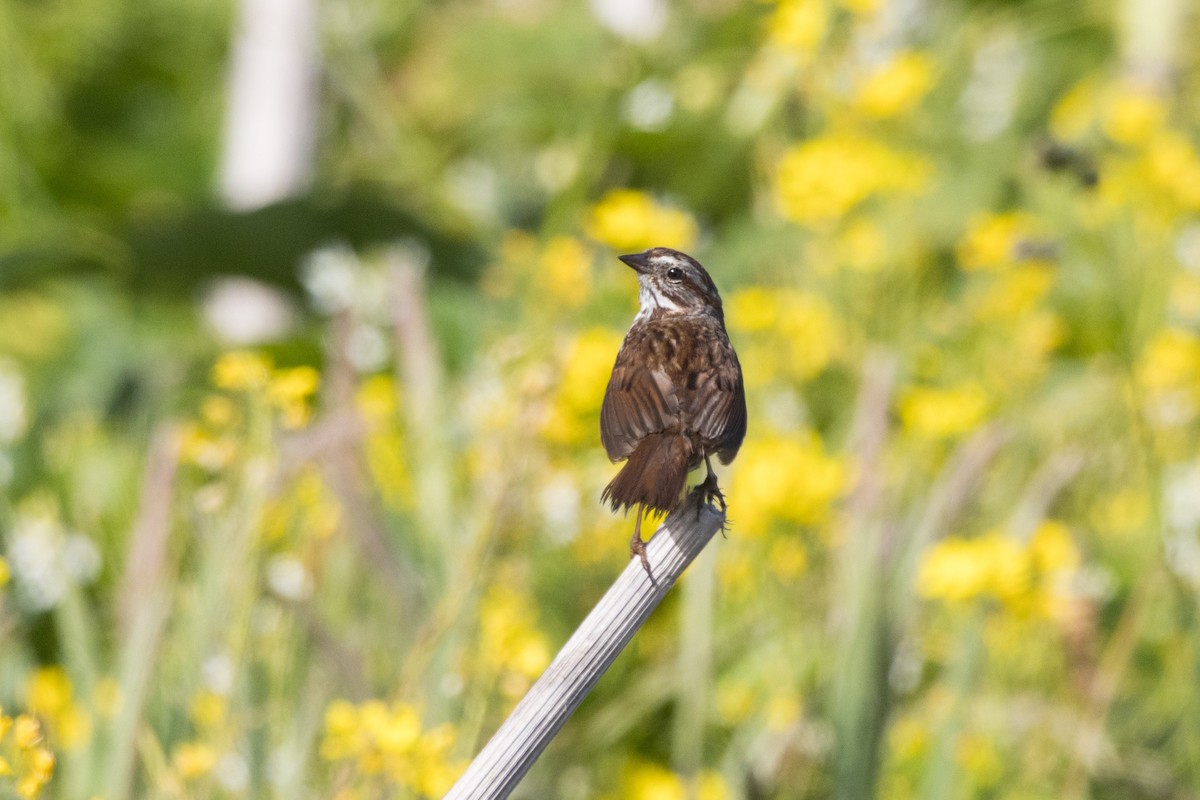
{"x": 710, "y": 492}
{"x": 638, "y": 548}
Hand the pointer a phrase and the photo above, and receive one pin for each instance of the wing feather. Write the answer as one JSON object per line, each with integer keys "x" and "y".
{"x": 637, "y": 402}
{"x": 719, "y": 404}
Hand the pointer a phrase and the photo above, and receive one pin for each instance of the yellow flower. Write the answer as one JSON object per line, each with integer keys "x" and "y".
{"x": 508, "y": 634}
{"x": 782, "y": 711}
{"x": 798, "y": 25}
{"x": 787, "y": 479}
{"x": 980, "y": 760}
{"x": 218, "y": 411}
{"x": 5, "y": 573}
{"x": 958, "y": 569}
{"x": 896, "y": 87}
{"x": 318, "y": 508}
{"x": 389, "y": 741}
{"x": 810, "y": 333}
{"x": 861, "y": 8}
{"x": 290, "y": 390}
{"x": 1174, "y": 166}
{"x": 646, "y": 781}
{"x": 207, "y": 709}
{"x": 343, "y": 734}
{"x": 26, "y": 732}
{"x": 1171, "y": 360}
{"x": 376, "y": 400}
{"x": 240, "y": 371}
{"x": 942, "y": 413}
{"x": 193, "y": 760}
{"x": 992, "y": 240}
{"x": 435, "y": 773}
{"x": 396, "y": 731}
{"x": 565, "y": 273}
{"x": 205, "y": 450}
{"x": 28, "y": 788}
{"x": 821, "y": 180}
{"x": 1010, "y": 566}
{"x": 997, "y": 566}
{"x": 41, "y": 764}
{"x": 952, "y": 570}
{"x": 1052, "y": 549}
{"x": 1132, "y": 114}
{"x": 711, "y": 786}
{"x": 629, "y": 220}
{"x": 48, "y": 691}
{"x": 752, "y": 309}
{"x": 573, "y": 415}
{"x": 1012, "y": 294}
{"x": 908, "y": 739}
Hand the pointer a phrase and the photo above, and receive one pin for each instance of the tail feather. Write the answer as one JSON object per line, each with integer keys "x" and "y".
{"x": 654, "y": 475}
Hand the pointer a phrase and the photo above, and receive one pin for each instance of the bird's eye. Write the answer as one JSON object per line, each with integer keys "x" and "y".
{"x": 675, "y": 274}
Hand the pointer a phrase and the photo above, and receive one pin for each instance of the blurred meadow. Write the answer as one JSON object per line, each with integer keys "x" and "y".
{"x": 307, "y": 310}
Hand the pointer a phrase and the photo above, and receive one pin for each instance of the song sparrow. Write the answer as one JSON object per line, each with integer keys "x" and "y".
{"x": 676, "y": 395}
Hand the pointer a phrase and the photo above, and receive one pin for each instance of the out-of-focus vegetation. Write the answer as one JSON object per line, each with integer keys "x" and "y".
{"x": 959, "y": 245}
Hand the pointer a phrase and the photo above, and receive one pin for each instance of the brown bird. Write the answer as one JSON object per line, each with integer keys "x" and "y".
{"x": 676, "y": 395}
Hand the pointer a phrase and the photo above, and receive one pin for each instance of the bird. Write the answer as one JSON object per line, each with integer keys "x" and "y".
{"x": 676, "y": 395}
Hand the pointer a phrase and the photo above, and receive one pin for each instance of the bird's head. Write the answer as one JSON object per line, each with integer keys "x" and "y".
{"x": 672, "y": 282}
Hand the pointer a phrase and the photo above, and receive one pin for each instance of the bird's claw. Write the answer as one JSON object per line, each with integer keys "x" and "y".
{"x": 708, "y": 493}
{"x": 637, "y": 548}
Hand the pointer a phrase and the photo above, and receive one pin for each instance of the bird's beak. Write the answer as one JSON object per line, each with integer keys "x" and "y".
{"x": 638, "y": 261}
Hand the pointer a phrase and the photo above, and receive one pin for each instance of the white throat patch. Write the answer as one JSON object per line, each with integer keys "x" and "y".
{"x": 650, "y": 299}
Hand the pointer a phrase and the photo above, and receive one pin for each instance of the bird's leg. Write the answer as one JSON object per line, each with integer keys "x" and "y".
{"x": 636, "y": 546}
{"x": 709, "y": 486}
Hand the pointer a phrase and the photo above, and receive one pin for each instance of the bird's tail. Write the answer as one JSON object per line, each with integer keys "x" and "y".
{"x": 654, "y": 475}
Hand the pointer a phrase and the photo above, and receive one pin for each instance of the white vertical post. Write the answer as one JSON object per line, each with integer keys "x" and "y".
{"x": 271, "y": 105}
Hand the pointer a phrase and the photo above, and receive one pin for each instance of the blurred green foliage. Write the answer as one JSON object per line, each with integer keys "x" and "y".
{"x": 316, "y": 540}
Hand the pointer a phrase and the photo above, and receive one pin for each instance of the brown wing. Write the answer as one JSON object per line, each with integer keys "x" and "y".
{"x": 638, "y": 401}
{"x": 718, "y": 409}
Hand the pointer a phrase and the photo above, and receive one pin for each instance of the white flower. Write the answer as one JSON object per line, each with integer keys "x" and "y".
{"x": 329, "y": 276}
{"x": 80, "y": 558}
{"x": 559, "y": 501}
{"x": 1182, "y": 498}
{"x": 1187, "y": 248}
{"x": 990, "y": 99}
{"x": 556, "y": 166}
{"x": 217, "y": 673}
{"x": 283, "y": 768}
{"x": 13, "y": 415}
{"x": 634, "y": 20}
{"x": 33, "y": 555}
{"x": 232, "y": 772}
{"x": 648, "y": 105}
{"x": 288, "y": 577}
{"x": 367, "y": 348}
{"x": 474, "y": 187}
{"x": 243, "y": 311}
